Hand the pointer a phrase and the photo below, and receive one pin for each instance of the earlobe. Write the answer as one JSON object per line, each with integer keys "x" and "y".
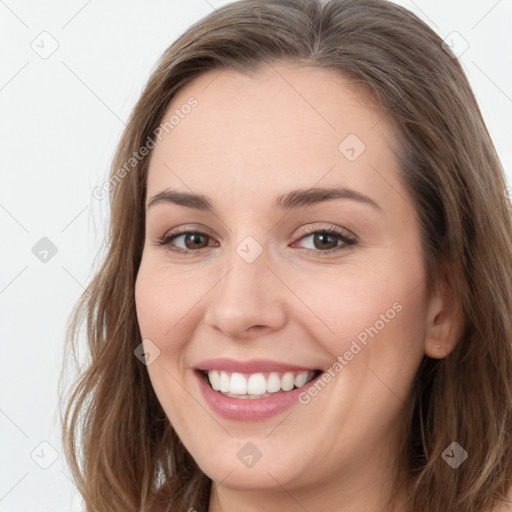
{"x": 445, "y": 322}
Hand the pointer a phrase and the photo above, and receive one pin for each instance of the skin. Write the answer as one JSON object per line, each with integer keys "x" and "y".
{"x": 248, "y": 140}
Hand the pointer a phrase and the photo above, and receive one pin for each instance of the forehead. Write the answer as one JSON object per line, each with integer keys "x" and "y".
{"x": 286, "y": 126}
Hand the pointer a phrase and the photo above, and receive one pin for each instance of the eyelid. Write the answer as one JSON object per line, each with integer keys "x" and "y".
{"x": 347, "y": 237}
{"x": 188, "y": 228}
{"x": 329, "y": 228}
{"x": 313, "y": 228}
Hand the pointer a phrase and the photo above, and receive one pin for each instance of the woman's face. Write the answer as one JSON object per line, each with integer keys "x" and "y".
{"x": 266, "y": 296}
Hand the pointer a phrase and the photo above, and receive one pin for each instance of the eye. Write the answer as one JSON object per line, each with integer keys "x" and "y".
{"x": 192, "y": 239}
{"x": 325, "y": 241}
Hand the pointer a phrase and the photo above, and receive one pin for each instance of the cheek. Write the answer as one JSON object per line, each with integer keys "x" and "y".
{"x": 166, "y": 302}
{"x": 156, "y": 306}
{"x": 373, "y": 318}
{"x": 162, "y": 304}
{"x": 350, "y": 303}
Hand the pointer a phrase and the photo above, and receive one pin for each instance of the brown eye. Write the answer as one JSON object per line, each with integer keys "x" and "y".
{"x": 191, "y": 241}
{"x": 194, "y": 241}
{"x": 325, "y": 241}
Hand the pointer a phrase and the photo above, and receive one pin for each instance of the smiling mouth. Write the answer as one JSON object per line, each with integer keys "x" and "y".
{"x": 256, "y": 385}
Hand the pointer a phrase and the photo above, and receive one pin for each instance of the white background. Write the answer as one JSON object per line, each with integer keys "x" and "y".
{"x": 61, "y": 118}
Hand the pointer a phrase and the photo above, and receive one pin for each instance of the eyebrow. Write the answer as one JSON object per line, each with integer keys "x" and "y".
{"x": 294, "y": 199}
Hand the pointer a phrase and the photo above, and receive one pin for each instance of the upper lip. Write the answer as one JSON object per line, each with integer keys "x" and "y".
{"x": 251, "y": 366}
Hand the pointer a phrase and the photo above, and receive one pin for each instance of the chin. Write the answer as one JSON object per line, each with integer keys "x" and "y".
{"x": 262, "y": 476}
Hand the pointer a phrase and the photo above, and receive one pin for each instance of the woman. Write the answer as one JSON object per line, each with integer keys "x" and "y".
{"x": 237, "y": 362}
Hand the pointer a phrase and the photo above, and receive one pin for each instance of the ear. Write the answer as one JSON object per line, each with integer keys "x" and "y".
{"x": 445, "y": 321}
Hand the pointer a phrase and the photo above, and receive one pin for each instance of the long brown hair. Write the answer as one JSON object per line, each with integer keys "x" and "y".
{"x": 121, "y": 448}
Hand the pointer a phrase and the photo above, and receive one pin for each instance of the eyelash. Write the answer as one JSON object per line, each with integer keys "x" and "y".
{"x": 347, "y": 241}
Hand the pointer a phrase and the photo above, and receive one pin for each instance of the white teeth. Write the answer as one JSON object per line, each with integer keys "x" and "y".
{"x": 288, "y": 381}
{"x": 273, "y": 383}
{"x": 238, "y": 384}
{"x": 301, "y": 379}
{"x": 255, "y": 384}
{"x": 214, "y": 379}
{"x": 224, "y": 382}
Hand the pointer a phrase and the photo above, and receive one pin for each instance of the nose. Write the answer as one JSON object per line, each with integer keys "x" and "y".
{"x": 246, "y": 302}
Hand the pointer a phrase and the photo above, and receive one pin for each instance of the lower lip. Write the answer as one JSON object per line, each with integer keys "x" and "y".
{"x": 242, "y": 409}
